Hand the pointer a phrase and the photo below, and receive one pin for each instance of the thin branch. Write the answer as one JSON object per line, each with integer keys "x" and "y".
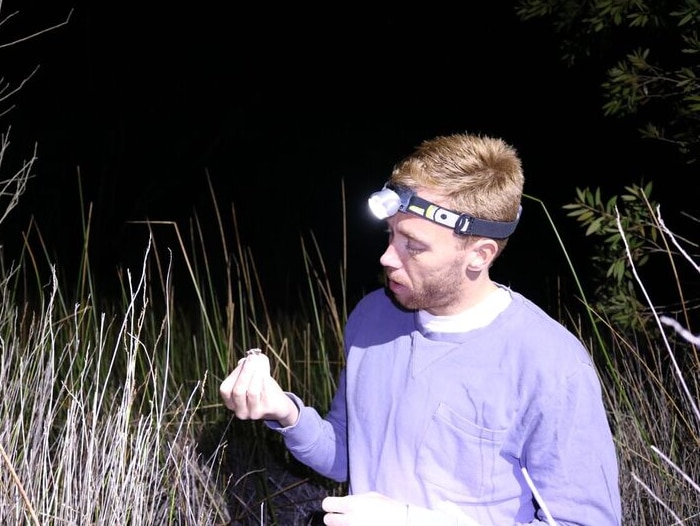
{"x": 20, "y": 487}
{"x": 676, "y": 468}
{"x": 685, "y": 333}
{"x": 7, "y": 95}
{"x": 679, "y": 373}
{"x": 40, "y": 32}
{"x": 657, "y": 499}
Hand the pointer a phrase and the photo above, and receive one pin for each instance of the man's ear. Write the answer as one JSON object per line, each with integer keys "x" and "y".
{"x": 484, "y": 251}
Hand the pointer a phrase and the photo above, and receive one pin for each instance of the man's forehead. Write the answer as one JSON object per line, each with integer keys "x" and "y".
{"x": 418, "y": 227}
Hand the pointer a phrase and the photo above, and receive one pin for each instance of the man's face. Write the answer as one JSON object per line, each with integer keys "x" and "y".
{"x": 426, "y": 264}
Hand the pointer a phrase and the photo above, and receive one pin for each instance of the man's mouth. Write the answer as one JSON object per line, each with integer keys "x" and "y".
{"x": 395, "y": 286}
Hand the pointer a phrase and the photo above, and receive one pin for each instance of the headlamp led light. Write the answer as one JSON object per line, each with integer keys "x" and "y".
{"x": 393, "y": 198}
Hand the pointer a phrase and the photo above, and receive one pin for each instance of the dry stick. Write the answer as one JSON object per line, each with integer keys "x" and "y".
{"x": 19, "y": 486}
{"x": 657, "y": 499}
{"x": 675, "y": 241}
{"x": 685, "y": 333}
{"x": 676, "y": 468}
{"x": 679, "y": 373}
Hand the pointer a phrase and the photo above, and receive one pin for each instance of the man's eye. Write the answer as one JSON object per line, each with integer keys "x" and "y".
{"x": 413, "y": 249}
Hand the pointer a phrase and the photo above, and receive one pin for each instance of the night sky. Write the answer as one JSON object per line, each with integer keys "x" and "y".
{"x": 281, "y": 106}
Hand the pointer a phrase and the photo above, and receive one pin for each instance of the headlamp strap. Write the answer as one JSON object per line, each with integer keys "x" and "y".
{"x": 467, "y": 225}
{"x": 462, "y": 224}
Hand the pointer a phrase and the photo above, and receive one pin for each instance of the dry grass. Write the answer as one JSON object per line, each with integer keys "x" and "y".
{"x": 653, "y": 395}
{"x": 110, "y": 412}
{"x": 113, "y": 416}
{"x": 81, "y": 444}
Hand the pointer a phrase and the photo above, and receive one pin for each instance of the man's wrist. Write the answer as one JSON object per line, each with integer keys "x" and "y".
{"x": 292, "y": 416}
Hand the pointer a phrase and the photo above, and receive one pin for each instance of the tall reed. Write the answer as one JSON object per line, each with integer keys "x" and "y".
{"x": 647, "y": 353}
{"x": 80, "y": 442}
{"x": 111, "y": 411}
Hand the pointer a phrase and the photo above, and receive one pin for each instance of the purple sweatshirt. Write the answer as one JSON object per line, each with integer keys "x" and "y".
{"x": 446, "y": 422}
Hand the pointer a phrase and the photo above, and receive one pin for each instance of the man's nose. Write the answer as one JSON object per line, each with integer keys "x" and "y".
{"x": 390, "y": 258}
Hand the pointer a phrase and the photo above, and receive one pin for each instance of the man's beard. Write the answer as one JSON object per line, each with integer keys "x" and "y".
{"x": 440, "y": 291}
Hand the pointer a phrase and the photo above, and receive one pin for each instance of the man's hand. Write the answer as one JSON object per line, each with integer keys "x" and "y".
{"x": 252, "y": 394}
{"x": 367, "y": 509}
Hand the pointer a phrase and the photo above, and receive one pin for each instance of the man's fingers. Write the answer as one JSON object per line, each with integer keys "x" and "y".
{"x": 256, "y": 367}
{"x": 259, "y": 362}
{"x": 335, "y": 508}
{"x": 335, "y": 519}
{"x": 242, "y": 390}
{"x": 365, "y": 509}
{"x": 335, "y": 504}
{"x": 226, "y": 388}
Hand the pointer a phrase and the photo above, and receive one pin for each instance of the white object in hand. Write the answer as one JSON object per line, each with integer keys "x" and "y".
{"x": 257, "y": 361}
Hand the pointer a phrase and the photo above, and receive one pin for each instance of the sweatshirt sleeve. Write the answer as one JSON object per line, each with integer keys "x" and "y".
{"x": 320, "y": 443}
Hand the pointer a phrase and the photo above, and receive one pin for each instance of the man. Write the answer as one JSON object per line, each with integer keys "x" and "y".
{"x": 461, "y": 402}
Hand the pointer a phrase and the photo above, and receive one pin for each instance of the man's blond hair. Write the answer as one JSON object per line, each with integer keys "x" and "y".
{"x": 478, "y": 175}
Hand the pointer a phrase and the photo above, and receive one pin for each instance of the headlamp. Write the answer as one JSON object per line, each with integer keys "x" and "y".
{"x": 393, "y": 198}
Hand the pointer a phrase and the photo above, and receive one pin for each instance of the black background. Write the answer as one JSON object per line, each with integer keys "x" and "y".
{"x": 281, "y": 108}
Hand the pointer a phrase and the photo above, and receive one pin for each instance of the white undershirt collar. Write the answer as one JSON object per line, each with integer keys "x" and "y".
{"x": 477, "y": 316}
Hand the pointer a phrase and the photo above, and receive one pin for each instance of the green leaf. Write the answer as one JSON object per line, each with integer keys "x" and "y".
{"x": 594, "y": 226}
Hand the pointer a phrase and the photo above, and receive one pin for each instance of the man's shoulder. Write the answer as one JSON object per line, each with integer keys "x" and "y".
{"x": 536, "y": 327}
{"x": 530, "y": 312}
